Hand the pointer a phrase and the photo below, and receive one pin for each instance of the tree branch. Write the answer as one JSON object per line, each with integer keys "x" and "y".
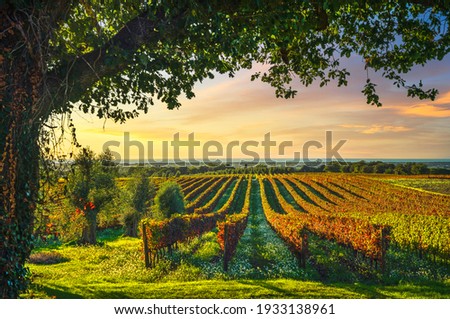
{"x": 430, "y": 3}
{"x": 69, "y": 82}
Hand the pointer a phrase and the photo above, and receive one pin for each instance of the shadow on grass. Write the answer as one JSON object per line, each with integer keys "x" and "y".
{"x": 240, "y": 289}
{"x": 424, "y": 290}
{"x": 59, "y": 293}
{"x": 366, "y": 291}
{"x": 273, "y": 289}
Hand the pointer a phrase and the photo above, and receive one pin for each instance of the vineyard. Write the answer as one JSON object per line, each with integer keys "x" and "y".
{"x": 297, "y": 235}
{"x": 372, "y": 221}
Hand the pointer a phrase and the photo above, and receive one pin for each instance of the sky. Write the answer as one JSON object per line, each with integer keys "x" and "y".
{"x": 231, "y": 117}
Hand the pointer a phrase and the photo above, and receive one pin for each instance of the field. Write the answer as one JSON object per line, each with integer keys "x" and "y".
{"x": 437, "y": 185}
{"x": 279, "y": 236}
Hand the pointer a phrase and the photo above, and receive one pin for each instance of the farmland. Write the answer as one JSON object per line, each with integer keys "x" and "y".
{"x": 317, "y": 235}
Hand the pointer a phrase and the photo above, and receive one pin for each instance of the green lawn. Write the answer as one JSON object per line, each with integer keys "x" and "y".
{"x": 262, "y": 268}
{"x": 115, "y": 270}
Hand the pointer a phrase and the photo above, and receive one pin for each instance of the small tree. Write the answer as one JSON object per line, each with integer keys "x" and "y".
{"x": 142, "y": 195}
{"x": 169, "y": 200}
{"x": 90, "y": 189}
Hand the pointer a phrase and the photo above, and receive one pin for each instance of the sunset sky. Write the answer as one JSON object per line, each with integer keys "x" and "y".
{"x": 236, "y": 109}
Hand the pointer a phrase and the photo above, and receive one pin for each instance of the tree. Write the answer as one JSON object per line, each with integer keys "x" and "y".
{"x": 169, "y": 200}
{"x": 95, "y": 55}
{"x": 90, "y": 189}
{"x": 367, "y": 169}
{"x": 333, "y": 167}
{"x": 400, "y": 169}
{"x": 106, "y": 159}
{"x": 419, "y": 168}
{"x": 142, "y": 195}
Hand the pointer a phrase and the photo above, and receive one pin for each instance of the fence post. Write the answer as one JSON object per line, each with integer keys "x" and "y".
{"x": 304, "y": 247}
{"x": 225, "y": 247}
{"x": 146, "y": 252}
{"x": 385, "y": 231}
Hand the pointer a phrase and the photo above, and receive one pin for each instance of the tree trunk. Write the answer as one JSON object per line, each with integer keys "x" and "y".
{"x": 133, "y": 231}
{"x": 132, "y": 223}
{"x": 89, "y": 236}
{"x": 20, "y": 84}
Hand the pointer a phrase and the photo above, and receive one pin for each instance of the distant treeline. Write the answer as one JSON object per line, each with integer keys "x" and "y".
{"x": 375, "y": 167}
{"x": 379, "y": 167}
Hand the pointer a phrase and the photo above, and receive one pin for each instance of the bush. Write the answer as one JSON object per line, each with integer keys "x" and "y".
{"x": 169, "y": 200}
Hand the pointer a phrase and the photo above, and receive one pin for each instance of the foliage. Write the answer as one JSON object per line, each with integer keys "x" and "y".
{"x": 231, "y": 230}
{"x": 379, "y": 167}
{"x": 169, "y": 200}
{"x": 419, "y": 223}
{"x": 142, "y": 194}
{"x": 229, "y": 234}
{"x": 106, "y": 159}
{"x": 209, "y": 206}
{"x": 199, "y": 194}
{"x": 164, "y": 234}
{"x": 177, "y": 229}
{"x": 189, "y": 40}
{"x": 91, "y": 189}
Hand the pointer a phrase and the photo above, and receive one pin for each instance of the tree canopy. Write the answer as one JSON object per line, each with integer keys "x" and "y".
{"x": 106, "y": 53}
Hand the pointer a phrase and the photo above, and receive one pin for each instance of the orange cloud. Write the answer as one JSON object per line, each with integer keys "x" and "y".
{"x": 386, "y": 128}
{"x": 443, "y": 98}
{"x": 438, "y": 109}
{"x": 426, "y": 110}
{"x": 352, "y": 126}
{"x": 376, "y": 128}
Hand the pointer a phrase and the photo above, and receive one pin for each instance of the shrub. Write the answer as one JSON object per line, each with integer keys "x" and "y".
{"x": 169, "y": 200}
{"x": 142, "y": 192}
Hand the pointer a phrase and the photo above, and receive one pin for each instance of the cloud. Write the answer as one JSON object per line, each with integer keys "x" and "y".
{"x": 387, "y": 128}
{"x": 437, "y": 109}
{"x": 376, "y": 128}
{"x": 444, "y": 99}
{"x": 352, "y": 126}
{"x": 426, "y": 110}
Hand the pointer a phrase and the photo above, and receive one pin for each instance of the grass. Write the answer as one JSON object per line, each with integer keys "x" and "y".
{"x": 115, "y": 270}
{"x": 261, "y": 253}
{"x": 435, "y": 185}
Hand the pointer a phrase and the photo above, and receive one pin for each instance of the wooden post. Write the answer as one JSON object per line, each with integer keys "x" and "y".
{"x": 385, "y": 231}
{"x": 225, "y": 248}
{"x": 146, "y": 252}
{"x": 304, "y": 248}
